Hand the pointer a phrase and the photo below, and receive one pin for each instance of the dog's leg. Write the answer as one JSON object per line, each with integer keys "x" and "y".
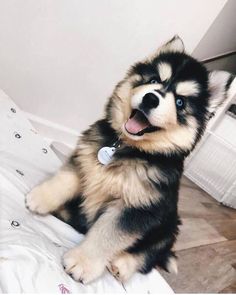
{"x": 54, "y": 192}
{"x": 104, "y": 241}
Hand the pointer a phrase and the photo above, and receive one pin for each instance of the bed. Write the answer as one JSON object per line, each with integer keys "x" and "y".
{"x": 31, "y": 246}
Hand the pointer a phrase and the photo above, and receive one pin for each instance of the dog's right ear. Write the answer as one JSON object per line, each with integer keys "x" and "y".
{"x": 176, "y": 44}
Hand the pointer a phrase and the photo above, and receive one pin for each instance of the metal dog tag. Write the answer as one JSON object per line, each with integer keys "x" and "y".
{"x": 105, "y": 154}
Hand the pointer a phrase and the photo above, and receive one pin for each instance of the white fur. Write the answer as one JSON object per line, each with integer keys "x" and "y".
{"x": 217, "y": 83}
{"x": 165, "y": 71}
{"x": 83, "y": 264}
{"x": 172, "y": 265}
{"x": 187, "y": 88}
{"x": 165, "y": 113}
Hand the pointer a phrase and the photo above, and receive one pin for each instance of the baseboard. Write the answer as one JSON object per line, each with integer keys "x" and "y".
{"x": 219, "y": 56}
{"x": 225, "y": 62}
{"x": 52, "y": 131}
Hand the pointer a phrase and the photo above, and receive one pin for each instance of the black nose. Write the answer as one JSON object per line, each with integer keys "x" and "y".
{"x": 150, "y": 101}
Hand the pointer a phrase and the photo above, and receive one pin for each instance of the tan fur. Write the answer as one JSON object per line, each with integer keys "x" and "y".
{"x": 165, "y": 71}
{"x": 51, "y": 194}
{"x": 187, "y": 88}
{"x": 121, "y": 98}
{"x": 127, "y": 180}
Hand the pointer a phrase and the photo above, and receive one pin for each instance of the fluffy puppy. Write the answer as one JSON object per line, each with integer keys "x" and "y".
{"x": 120, "y": 186}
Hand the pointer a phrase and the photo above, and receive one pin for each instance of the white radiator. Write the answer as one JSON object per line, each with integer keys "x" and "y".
{"x": 213, "y": 165}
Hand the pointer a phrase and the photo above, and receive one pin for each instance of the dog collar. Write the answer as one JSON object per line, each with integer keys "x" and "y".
{"x": 105, "y": 154}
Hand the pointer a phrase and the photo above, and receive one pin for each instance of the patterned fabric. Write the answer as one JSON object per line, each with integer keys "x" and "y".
{"x": 31, "y": 246}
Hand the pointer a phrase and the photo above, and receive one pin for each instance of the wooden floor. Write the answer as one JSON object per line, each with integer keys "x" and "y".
{"x": 206, "y": 247}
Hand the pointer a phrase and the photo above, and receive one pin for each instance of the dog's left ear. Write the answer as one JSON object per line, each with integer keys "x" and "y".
{"x": 222, "y": 85}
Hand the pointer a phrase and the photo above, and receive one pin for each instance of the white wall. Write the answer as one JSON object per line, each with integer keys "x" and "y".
{"x": 221, "y": 36}
{"x": 60, "y": 59}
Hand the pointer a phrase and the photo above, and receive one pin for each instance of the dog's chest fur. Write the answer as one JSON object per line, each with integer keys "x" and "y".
{"x": 125, "y": 180}
{"x": 130, "y": 178}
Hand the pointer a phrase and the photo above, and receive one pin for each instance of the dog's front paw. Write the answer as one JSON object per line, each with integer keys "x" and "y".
{"x": 123, "y": 266}
{"x": 40, "y": 200}
{"x": 82, "y": 266}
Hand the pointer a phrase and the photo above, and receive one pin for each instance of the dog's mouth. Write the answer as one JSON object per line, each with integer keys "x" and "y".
{"x": 138, "y": 124}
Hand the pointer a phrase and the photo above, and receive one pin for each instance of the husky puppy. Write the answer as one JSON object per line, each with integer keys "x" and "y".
{"x": 120, "y": 186}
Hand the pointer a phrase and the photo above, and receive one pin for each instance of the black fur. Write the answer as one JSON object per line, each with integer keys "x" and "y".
{"x": 77, "y": 219}
{"x": 158, "y": 223}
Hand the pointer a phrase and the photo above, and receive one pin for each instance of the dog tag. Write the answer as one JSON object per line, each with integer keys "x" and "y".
{"x": 105, "y": 154}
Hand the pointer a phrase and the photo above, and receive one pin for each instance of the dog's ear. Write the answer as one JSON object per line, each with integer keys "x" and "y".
{"x": 176, "y": 44}
{"x": 173, "y": 45}
{"x": 222, "y": 85}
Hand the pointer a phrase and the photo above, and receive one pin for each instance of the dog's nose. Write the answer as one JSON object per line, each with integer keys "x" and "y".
{"x": 150, "y": 101}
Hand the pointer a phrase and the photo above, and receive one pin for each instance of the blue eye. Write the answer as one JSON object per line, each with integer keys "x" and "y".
{"x": 153, "y": 81}
{"x": 179, "y": 103}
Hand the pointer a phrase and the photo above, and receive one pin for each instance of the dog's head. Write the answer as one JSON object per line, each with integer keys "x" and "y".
{"x": 165, "y": 101}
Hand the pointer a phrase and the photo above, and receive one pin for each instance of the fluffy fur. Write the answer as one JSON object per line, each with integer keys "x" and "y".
{"x": 128, "y": 208}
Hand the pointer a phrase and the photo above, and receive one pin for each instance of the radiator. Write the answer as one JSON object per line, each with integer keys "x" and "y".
{"x": 213, "y": 166}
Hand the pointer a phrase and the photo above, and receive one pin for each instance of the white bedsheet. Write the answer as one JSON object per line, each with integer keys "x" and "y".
{"x": 31, "y": 246}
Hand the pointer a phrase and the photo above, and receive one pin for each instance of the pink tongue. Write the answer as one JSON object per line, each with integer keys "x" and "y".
{"x": 135, "y": 126}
